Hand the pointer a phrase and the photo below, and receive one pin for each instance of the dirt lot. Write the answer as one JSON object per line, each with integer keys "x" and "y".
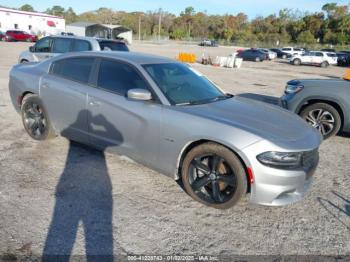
{"x": 131, "y": 209}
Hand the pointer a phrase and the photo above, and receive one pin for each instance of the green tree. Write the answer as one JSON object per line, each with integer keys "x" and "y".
{"x": 27, "y": 8}
{"x": 306, "y": 37}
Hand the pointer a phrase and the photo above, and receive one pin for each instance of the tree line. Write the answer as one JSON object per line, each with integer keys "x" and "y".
{"x": 331, "y": 25}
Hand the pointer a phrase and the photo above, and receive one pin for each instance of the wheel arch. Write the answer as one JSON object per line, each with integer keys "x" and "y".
{"x": 189, "y": 146}
{"x": 331, "y": 102}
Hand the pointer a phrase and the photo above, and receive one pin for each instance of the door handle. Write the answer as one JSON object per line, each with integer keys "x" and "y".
{"x": 94, "y": 103}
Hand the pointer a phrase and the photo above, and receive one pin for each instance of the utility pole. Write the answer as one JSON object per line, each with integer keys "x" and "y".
{"x": 140, "y": 27}
{"x": 160, "y": 23}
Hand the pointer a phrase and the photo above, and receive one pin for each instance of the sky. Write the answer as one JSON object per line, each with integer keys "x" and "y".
{"x": 252, "y": 8}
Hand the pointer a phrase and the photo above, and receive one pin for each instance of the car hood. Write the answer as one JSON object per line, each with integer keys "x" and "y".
{"x": 264, "y": 120}
{"x": 319, "y": 83}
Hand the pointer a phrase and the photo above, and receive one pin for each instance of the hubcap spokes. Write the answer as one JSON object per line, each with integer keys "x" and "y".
{"x": 34, "y": 120}
{"x": 322, "y": 120}
{"x": 212, "y": 178}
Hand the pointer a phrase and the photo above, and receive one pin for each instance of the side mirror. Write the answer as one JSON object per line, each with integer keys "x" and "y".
{"x": 32, "y": 49}
{"x": 139, "y": 94}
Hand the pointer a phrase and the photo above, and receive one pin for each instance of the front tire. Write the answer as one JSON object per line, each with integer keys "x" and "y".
{"x": 296, "y": 62}
{"x": 35, "y": 119}
{"x": 324, "y": 118}
{"x": 214, "y": 176}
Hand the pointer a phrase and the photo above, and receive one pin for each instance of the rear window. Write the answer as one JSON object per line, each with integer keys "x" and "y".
{"x": 81, "y": 45}
{"x": 114, "y": 46}
{"x": 332, "y": 54}
{"x": 76, "y": 69}
{"x": 61, "y": 45}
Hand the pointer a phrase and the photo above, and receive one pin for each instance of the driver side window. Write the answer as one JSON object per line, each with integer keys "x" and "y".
{"x": 43, "y": 45}
{"x": 119, "y": 77}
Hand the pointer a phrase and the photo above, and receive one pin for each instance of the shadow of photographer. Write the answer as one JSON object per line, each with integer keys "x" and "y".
{"x": 83, "y": 196}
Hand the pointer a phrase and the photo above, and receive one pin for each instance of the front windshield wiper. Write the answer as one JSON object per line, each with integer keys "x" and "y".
{"x": 205, "y": 101}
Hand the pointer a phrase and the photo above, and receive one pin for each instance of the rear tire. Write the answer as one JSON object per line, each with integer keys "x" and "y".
{"x": 323, "y": 117}
{"x": 35, "y": 119}
{"x": 214, "y": 176}
{"x": 324, "y": 64}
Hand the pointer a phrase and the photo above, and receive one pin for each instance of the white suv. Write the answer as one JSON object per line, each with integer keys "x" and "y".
{"x": 293, "y": 51}
{"x": 322, "y": 59}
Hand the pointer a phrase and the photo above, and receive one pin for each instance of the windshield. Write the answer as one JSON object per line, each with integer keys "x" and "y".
{"x": 114, "y": 46}
{"x": 183, "y": 85}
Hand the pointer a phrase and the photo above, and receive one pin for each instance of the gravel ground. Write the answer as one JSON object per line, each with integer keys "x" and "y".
{"x": 75, "y": 200}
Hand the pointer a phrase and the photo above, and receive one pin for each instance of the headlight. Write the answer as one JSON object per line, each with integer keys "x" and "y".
{"x": 293, "y": 88}
{"x": 284, "y": 160}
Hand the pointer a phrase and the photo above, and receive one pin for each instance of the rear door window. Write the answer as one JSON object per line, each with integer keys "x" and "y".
{"x": 76, "y": 69}
{"x": 319, "y": 54}
{"x": 119, "y": 77}
{"x": 81, "y": 45}
{"x": 62, "y": 45}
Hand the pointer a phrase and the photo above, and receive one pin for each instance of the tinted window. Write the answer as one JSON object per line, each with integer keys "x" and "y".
{"x": 331, "y": 54}
{"x": 319, "y": 54}
{"x": 286, "y": 49}
{"x": 76, "y": 69}
{"x": 119, "y": 77}
{"x": 114, "y": 46}
{"x": 81, "y": 45}
{"x": 43, "y": 45}
{"x": 61, "y": 45}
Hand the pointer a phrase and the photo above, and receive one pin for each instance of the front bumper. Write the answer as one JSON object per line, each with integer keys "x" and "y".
{"x": 278, "y": 187}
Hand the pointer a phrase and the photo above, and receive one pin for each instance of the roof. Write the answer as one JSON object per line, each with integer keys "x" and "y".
{"x": 87, "y": 24}
{"x": 132, "y": 57}
{"x": 82, "y": 24}
{"x": 8, "y": 10}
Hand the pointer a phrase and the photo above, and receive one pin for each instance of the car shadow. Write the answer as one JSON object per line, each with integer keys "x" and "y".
{"x": 263, "y": 98}
{"x": 83, "y": 197}
{"x": 337, "y": 210}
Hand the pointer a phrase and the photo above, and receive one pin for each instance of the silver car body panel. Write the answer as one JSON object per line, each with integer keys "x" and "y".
{"x": 157, "y": 133}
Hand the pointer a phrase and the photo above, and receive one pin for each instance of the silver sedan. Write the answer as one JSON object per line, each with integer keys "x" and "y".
{"x": 168, "y": 116}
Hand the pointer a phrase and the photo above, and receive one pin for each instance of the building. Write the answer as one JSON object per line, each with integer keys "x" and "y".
{"x": 100, "y": 30}
{"x": 31, "y": 22}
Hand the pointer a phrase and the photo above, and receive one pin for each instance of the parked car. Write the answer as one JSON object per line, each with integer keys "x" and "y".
{"x": 324, "y": 104}
{"x": 322, "y": 59}
{"x": 208, "y": 42}
{"x": 280, "y": 53}
{"x": 343, "y": 58}
{"x": 293, "y": 51}
{"x": 50, "y": 46}
{"x": 253, "y": 55}
{"x": 166, "y": 115}
{"x": 270, "y": 54}
{"x": 17, "y": 35}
